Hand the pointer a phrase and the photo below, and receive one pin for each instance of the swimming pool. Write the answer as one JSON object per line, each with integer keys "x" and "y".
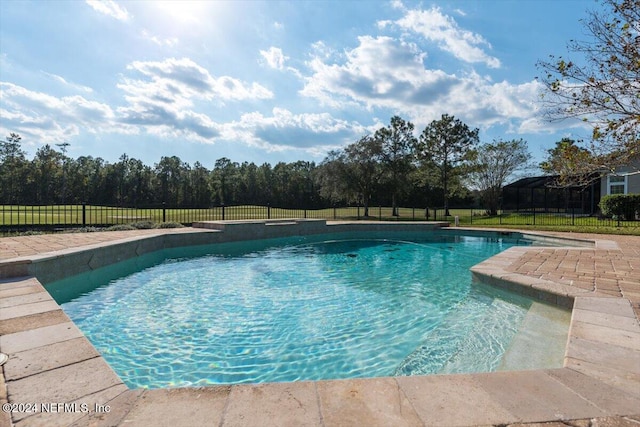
{"x": 304, "y": 308}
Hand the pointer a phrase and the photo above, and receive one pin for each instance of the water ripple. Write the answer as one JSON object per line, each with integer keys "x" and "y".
{"x": 333, "y": 309}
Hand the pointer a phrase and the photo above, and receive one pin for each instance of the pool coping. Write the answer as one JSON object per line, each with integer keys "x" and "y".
{"x": 52, "y": 362}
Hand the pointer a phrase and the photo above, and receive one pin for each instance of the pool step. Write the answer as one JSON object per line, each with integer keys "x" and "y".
{"x": 443, "y": 342}
{"x": 489, "y": 332}
{"x": 453, "y": 347}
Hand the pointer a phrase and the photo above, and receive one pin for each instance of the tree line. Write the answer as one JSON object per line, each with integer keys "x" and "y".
{"x": 392, "y": 166}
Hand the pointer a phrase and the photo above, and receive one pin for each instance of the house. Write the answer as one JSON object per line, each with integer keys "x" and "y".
{"x": 625, "y": 180}
{"x": 542, "y": 194}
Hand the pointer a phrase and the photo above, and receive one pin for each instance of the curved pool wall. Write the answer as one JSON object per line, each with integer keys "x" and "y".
{"x": 50, "y": 267}
{"x": 70, "y": 286}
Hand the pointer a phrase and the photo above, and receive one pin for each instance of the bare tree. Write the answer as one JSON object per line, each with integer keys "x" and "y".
{"x": 601, "y": 88}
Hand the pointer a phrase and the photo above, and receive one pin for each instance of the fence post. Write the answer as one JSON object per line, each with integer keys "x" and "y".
{"x": 534, "y": 216}
{"x": 268, "y": 211}
{"x": 164, "y": 212}
{"x": 471, "y": 217}
{"x": 305, "y": 213}
{"x": 413, "y": 213}
{"x": 84, "y": 214}
{"x": 334, "y": 213}
{"x": 380, "y": 212}
{"x": 358, "y": 211}
{"x": 223, "y": 213}
{"x": 573, "y": 215}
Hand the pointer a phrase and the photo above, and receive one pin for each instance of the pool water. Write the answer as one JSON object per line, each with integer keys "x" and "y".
{"x": 304, "y": 308}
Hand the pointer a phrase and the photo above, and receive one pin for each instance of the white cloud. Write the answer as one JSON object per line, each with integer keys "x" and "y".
{"x": 62, "y": 80}
{"x": 49, "y": 118}
{"x": 442, "y": 29}
{"x": 169, "y": 42}
{"x": 111, "y": 8}
{"x": 163, "y": 102}
{"x": 397, "y": 4}
{"x": 178, "y": 79}
{"x": 274, "y": 57}
{"x": 284, "y": 130}
{"x": 386, "y": 73}
{"x": 320, "y": 49}
{"x": 379, "y": 72}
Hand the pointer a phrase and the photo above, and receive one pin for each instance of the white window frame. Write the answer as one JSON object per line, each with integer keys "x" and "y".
{"x": 624, "y": 183}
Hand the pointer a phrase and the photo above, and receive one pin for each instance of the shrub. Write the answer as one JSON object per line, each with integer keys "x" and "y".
{"x": 621, "y": 206}
{"x": 170, "y": 224}
{"x": 120, "y": 227}
{"x": 143, "y": 225}
{"x": 82, "y": 230}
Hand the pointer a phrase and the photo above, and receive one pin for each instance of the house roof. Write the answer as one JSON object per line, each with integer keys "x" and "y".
{"x": 547, "y": 181}
{"x": 532, "y": 182}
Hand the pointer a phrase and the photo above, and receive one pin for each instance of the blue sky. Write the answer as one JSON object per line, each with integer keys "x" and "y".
{"x": 273, "y": 81}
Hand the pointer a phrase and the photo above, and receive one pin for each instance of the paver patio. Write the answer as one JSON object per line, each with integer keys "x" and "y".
{"x": 51, "y": 361}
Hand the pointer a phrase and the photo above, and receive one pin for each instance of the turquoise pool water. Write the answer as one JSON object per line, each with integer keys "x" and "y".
{"x": 305, "y": 308}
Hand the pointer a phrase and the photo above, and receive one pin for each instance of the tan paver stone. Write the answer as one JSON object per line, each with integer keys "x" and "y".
{"x": 616, "y": 306}
{"x": 371, "y": 402}
{"x": 39, "y": 320}
{"x": 41, "y": 359}
{"x": 65, "y": 384}
{"x": 76, "y": 411}
{"x": 30, "y": 298}
{"x": 606, "y": 319}
{"x": 28, "y": 309}
{"x": 21, "y": 341}
{"x": 551, "y": 424}
{"x": 613, "y": 293}
{"x": 453, "y": 400}
{"x": 533, "y": 396}
{"x": 28, "y": 288}
{"x": 620, "y": 379}
{"x": 119, "y": 407}
{"x": 281, "y": 404}
{"x": 579, "y": 423}
{"x": 611, "y": 400}
{"x": 614, "y": 422}
{"x": 613, "y": 336}
{"x": 5, "y": 417}
{"x": 598, "y": 353}
{"x": 180, "y": 407}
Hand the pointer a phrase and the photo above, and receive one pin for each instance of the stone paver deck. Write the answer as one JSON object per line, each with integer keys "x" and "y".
{"x": 24, "y": 246}
{"x": 52, "y": 363}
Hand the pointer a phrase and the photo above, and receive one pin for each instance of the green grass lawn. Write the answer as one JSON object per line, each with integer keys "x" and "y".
{"x": 72, "y": 215}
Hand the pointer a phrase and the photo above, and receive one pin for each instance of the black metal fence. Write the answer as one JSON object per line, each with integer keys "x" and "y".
{"x": 52, "y": 217}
